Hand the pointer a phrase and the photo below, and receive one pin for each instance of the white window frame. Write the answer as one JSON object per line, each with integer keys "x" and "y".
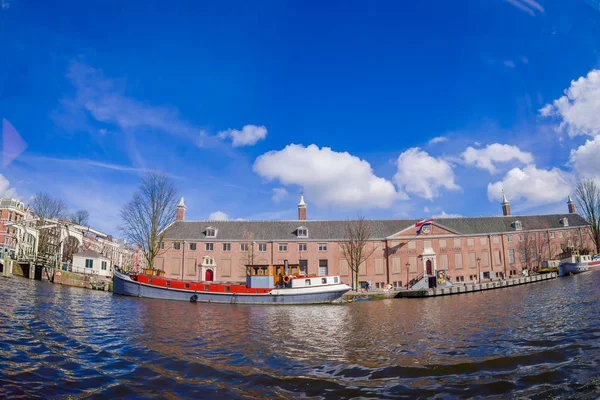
{"x": 195, "y": 246}
{"x": 551, "y": 235}
{"x": 209, "y": 246}
{"x": 302, "y": 246}
{"x": 283, "y": 247}
{"x": 302, "y": 232}
{"x": 262, "y": 246}
{"x": 322, "y": 246}
{"x": 226, "y": 247}
{"x": 244, "y": 247}
{"x": 176, "y": 245}
{"x": 211, "y": 232}
{"x": 509, "y": 238}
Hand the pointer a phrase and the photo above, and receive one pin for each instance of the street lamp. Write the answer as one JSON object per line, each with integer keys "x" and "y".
{"x": 407, "y": 267}
{"x": 479, "y": 269}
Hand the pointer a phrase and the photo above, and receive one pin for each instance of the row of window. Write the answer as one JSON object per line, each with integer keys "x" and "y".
{"x": 89, "y": 263}
{"x": 212, "y": 232}
{"x": 245, "y": 247}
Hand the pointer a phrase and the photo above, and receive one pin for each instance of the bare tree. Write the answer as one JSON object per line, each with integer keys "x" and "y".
{"x": 149, "y": 213}
{"x": 587, "y": 197}
{"x": 45, "y": 206}
{"x": 247, "y": 258}
{"x": 528, "y": 250}
{"x": 81, "y": 217}
{"x": 354, "y": 246}
{"x": 543, "y": 251}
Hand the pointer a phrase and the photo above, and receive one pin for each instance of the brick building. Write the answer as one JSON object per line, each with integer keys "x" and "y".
{"x": 468, "y": 249}
{"x": 13, "y": 211}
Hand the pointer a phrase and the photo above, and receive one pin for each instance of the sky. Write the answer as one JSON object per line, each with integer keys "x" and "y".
{"x": 369, "y": 108}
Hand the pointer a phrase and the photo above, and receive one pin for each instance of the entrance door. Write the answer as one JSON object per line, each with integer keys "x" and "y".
{"x": 428, "y": 267}
{"x": 208, "y": 276}
{"x": 304, "y": 266}
{"x": 323, "y": 269}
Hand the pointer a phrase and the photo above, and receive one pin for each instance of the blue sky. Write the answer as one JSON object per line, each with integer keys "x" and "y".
{"x": 381, "y": 109}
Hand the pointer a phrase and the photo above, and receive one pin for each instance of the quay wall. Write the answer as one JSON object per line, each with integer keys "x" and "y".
{"x": 81, "y": 280}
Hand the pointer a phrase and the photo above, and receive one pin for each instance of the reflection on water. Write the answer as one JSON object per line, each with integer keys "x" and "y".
{"x": 537, "y": 341}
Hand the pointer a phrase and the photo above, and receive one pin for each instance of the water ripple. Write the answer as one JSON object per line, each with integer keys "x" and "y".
{"x": 536, "y": 341}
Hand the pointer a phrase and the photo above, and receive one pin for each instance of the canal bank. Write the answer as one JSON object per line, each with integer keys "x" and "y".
{"x": 476, "y": 287}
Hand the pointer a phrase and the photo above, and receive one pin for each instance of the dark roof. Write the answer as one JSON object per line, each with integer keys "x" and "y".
{"x": 334, "y": 230}
{"x": 89, "y": 253}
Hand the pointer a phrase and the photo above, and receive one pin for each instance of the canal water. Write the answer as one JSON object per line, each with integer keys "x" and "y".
{"x": 535, "y": 341}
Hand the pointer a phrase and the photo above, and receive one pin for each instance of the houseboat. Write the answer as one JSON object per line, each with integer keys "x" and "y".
{"x": 571, "y": 262}
{"x": 265, "y": 284}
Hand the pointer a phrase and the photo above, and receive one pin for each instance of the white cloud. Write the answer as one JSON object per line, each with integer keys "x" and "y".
{"x": 528, "y": 6}
{"x": 279, "y": 194}
{"x": 426, "y": 209}
{"x": 5, "y": 189}
{"x": 439, "y": 139}
{"x": 423, "y": 175}
{"x": 328, "y": 177}
{"x": 534, "y": 186}
{"x": 579, "y": 108}
{"x": 443, "y": 214}
{"x": 509, "y": 63}
{"x": 218, "y": 216}
{"x": 585, "y": 160}
{"x": 492, "y": 153}
{"x": 248, "y": 136}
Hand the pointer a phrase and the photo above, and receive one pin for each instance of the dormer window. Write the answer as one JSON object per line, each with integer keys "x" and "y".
{"x": 302, "y": 232}
{"x": 565, "y": 221}
{"x": 518, "y": 225}
{"x": 211, "y": 233}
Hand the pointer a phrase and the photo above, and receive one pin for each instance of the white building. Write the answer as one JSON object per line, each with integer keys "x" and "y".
{"x": 91, "y": 262}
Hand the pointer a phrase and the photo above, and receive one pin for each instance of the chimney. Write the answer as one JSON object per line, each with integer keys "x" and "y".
{"x": 302, "y": 209}
{"x": 571, "y": 206}
{"x": 181, "y": 210}
{"x": 505, "y": 205}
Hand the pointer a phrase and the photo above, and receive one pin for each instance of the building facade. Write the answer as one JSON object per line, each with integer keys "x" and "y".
{"x": 13, "y": 211}
{"x": 91, "y": 262}
{"x": 467, "y": 249}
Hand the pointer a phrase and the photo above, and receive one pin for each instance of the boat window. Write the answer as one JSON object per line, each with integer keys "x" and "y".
{"x": 323, "y": 280}
{"x": 335, "y": 279}
{"x": 307, "y": 282}
{"x": 206, "y": 287}
{"x": 149, "y": 280}
{"x": 187, "y": 285}
{"x": 227, "y": 288}
{"x": 168, "y": 283}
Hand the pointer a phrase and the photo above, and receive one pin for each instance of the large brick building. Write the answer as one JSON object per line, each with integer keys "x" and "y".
{"x": 468, "y": 249}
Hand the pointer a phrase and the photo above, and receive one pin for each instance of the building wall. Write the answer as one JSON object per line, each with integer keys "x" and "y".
{"x": 395, "y": 261}
{"x": 79, "y": 266}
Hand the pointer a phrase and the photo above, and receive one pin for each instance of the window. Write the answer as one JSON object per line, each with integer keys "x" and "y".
{"x": 89, "y": 263}
{"x": 568, "y": 233}
{"x": 162, "y": 245}
{"x": 302, "y": 232}
{"x": 543, "y": 235}
{"x": 460, "y": 279}
{"x": 443, "y": 262}
{"x": 511, "y": 256}
{"x": 483, "y": 241}
{"x": 307, "y": 282}
{"x": 324, "y": 281}
{"x": 521, "y": 238}
{"x": 228, "y": 288}
{"x": 560, "y": 234}
{"x": 470, "y": 242}
{"x": 472, "y": 260}
{"x": 565, "y": 221}
{"x": 192, "y": 246}
{"x": 412, "y": 244}
{"x": 262, "y": 247}
{"x": 168, "y": 283}
{"x": 103, "y": 266}
{"x": 457, "y": 243}
{"x": 244, "y": 247}
{"x": 335, "y": 279}
{"x": 322, "y": 246}
{"x": 187, "y": 286}
{"x": 176, "y": 245}
{"x": 206, "y": 287}
{"x": 496, "y": 239}
{"x": 302, "y": 247}
{"x": 485, "y": 259}
{"x": 226, "y": 246}
{"x": 427, "y": 243}
{"x": 211, "y": 232}
{"x": 523, "y": 257}
{"x": 209, "y": 246}
{"x": 533, "y": 255}
{"x": 283, "y": 247}
{"x": 443, "y": 243}
{"x": 509, "y": 238}
{"x": 458, "y": 264}
{"x": 518, "y": 226}
{"x": 551, "y": 235}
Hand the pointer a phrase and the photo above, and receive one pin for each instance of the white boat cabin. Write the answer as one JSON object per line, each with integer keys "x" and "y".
{"x": 285, "y": 276}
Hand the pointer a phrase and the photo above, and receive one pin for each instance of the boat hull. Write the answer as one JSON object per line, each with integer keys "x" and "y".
{"x": 124, "y": 285}
{"x": 572, "y": 268}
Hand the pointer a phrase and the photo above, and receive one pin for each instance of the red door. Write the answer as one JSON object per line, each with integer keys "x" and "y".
{"x": 208, "y": 276}
{"x": 428, "y": 267}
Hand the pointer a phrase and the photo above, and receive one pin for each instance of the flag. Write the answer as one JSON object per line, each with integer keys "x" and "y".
{"x": 419, "y": 225}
